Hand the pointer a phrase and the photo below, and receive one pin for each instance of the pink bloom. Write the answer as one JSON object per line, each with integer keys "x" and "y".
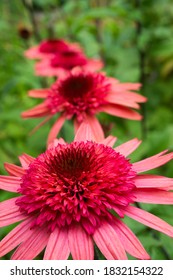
{"x": 49, "y": 48}
{"x": 80, "y": 95}
{"x": 62, "y": 62}
{"x": 68, "y": 195}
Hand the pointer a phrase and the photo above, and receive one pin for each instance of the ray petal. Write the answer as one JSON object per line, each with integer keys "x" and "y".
{"x": 109, "y": 243}
{"x": 149, "y": 220}
{"x": 80, "y": 243}
{"x": 32, "y": 246}
{"x": 128, "y": 147}
{"x": 57, "y": 247}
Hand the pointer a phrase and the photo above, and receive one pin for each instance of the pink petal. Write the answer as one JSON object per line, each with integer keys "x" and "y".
{"x": 119, "y": 87}
{"x": 153, "y": 196}
{"x": 109, "y": 243}
{"x": 15, "y": 237}
{"x": 9, "y": 212}
{"x": 55, "y": 129}
{"x": 33, "y": 53}
{"x": 153, "y": 181}
{"x": 84, "y": 133}
{"x": 40, "y": 110}
{"x": 93, "y": 65}
{"x": 130, "y": 242}
{"x": 57, "y": 246}
{"x": 14, "y": 170}
{"x": 80, "y": 243}
{"x": 109, "y": 141}
{"x": 39, "y": 93}
{"x": 121, "y": 111}
{"x": 33, "y": 245}
{"x": 152, "y": 162}
{"x": 56, "y": 142}
{"x": 149, "y": 220}
{"x": 40, "y": 125}
{"x": 76, "y": 125}
{"x": 25, "y": 160}
{"x": 95, "y": 127}
{"x": 128, "y": 147}
{"x": 113, "y": 98}
{"x": 10, "y": 183}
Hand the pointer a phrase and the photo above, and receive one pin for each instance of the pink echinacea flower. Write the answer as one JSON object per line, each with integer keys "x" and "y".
{"x": 48, "y": 48}
{"x": 76, "y": 195}
{"x": 80, "y": 95}
{"x": 58, "y": 57}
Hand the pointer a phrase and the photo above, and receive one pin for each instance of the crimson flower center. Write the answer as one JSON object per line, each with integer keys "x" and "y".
{"x": 77, "y": 182}
{"x": 53, "y": 46}
{"x": 79, "y": 93}
{"x": 68, "y": 59}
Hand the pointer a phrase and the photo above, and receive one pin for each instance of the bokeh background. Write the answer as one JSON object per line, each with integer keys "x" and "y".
{"x": 134, "y": 39}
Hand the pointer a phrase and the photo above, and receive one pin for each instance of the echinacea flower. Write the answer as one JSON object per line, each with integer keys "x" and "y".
{"x": 80, "y": 95}
{"x": 49, "y": 48}
{"x": 59, "y": 56}
{"x": 76, "y": 195}
{"x": 61, "y": 63}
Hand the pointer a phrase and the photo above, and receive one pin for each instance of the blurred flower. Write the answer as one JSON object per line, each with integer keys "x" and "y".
{"x": 48, "y": 48}
{"x": 81, "y": 95}
{"x": 63, "y": 62}
{"x": 75, "y": 195}
{"x": 59, "y": 56}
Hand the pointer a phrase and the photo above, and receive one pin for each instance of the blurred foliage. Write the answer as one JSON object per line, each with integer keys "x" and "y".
{"x": 134, "y": 38}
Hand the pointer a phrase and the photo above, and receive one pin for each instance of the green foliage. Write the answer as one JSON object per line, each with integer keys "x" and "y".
{"x": 134, "y": 38}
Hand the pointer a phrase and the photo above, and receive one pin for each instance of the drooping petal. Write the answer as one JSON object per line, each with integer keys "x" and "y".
{"x": 40, "y": 110}
{"x": 10, "y": 183}
{"x": 129, "y": 240}
{"x": 9, "y": 212}
{"x": 153, "y": 196}
{"x": 39, "y": 93}
{"x": 25, "y": 160}
{"x": 57, "y": 246}
{"x": 153, "y": 181}
{"x": 109, "y": 243}
{"x": 152, "y": 162}
{"x": 13, "y": 169}
{"x": 15, "y": 237}
{"x": 109, "y": 141}
{"x": 40, "y": 124}
{"x": 149, "y": 220}
{"x": 122, "y": 112}
{"x": 80, "y": 243}
{"x": 32, "y": 246}
{"x": 55, "y": 129}
{"x": 84, "y": 133}
{"x": 95, "y": 127}
{"x": 128, "y": 147}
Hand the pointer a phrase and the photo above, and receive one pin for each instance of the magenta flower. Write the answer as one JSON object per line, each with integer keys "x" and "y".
{"x": 58, "y": 57}
{"x": 76, "y": 195}
{"x": 61, "y": 63}
{"x": 48, "y": 48}
{"x": 80, "y": 95}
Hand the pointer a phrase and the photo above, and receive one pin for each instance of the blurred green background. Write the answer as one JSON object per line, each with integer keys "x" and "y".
{"x": 135, "y": 40}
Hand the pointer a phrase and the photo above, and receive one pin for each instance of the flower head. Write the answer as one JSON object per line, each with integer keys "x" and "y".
{"x": 48, "y": 48}
{"x": 62, "y": 62}
{"x": 58, "y": 57}
{"x": 77, "y": 194}
{"x": 80, "y": 95}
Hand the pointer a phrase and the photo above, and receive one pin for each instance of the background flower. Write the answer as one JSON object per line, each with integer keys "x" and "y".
{"x": 77, "y": 194}
{"x": 81, "y": 95}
